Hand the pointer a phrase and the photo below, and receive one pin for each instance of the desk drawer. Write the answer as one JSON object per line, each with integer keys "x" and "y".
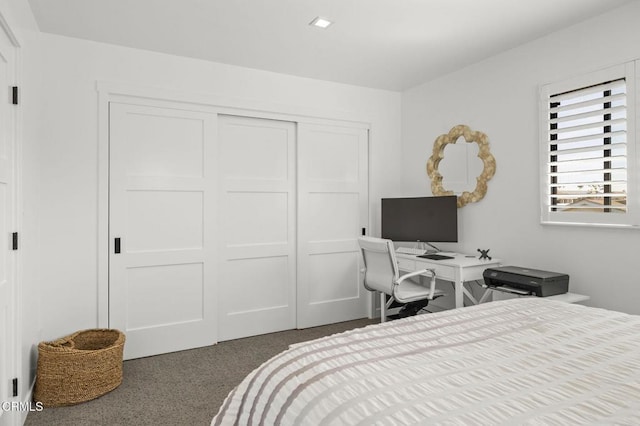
{"x": 443, "y": 272}
{"x": 406, "y": 265}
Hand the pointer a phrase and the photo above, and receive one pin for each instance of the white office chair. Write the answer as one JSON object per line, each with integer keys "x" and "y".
{"x": 381, "y": 274}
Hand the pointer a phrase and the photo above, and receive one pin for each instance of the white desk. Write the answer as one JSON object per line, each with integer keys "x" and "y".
{"x": 458, "y": 270}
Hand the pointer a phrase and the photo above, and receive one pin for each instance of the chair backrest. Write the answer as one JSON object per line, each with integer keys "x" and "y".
{"x": 380, "y": 264}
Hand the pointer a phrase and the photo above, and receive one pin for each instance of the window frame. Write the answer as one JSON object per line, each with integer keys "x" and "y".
{"x": 630, "y": 219}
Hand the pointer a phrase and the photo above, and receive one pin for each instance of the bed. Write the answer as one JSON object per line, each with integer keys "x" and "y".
{"x": 519, "y": 361}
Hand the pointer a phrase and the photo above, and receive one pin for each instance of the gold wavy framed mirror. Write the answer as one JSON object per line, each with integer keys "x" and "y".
{"x": 489, "y": 163}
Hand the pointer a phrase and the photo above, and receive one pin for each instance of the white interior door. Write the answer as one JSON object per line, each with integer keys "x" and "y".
{"x": 162, "y": 183}
{"x": 333, "y": 209}
{"x": 257, "y": 223}
{"x": 8, "y": 300}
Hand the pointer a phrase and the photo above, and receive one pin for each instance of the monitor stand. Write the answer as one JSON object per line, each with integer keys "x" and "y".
{"x": 428, "y": 247}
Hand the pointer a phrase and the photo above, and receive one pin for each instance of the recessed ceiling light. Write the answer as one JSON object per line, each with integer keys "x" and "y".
{"x": 320, "y": 22}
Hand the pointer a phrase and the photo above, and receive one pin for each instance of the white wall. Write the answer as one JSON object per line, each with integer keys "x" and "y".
{"x": 60, "y": 87}
{"x": 499, "y": 97}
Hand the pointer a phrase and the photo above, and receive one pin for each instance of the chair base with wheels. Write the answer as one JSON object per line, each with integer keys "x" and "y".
{"x": 412, "y": 308}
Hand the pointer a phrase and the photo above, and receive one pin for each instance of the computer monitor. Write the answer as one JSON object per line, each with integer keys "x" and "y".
{"x": 425, "y": 219}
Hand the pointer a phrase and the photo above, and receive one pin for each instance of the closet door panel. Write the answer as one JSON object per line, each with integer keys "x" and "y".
{"x": 333, "y": 203}
{"x": 257, "y": 213}
{"x": 162, "y": 184}
{"x": 336, "y": 268}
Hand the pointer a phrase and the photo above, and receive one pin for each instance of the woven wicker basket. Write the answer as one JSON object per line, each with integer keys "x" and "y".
{"x": 79, "y": 367}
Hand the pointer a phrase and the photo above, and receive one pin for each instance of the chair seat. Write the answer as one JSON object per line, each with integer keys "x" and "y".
{"x": 409, "y": 291}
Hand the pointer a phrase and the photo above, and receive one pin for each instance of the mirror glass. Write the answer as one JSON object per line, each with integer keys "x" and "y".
{"x": 460, "y": 166}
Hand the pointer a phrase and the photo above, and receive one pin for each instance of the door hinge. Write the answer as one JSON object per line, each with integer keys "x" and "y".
{"x": 14, "y": 97}
{"x": 14, "y": 241}
{"x": 15, "y": 386}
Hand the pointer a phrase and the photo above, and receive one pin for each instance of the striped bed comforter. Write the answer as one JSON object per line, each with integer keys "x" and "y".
{"x": 522, "y": 361}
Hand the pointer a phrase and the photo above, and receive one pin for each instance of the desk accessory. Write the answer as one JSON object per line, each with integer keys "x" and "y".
{"x": 484, "y": 254}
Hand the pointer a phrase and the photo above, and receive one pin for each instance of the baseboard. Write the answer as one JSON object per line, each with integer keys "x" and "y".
{"x": 28, "y": 398}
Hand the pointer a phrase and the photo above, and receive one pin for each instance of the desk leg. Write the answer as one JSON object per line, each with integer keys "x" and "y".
{"x": 488, "y": 294}
{"x": 468, "y": 293}
{"x": 459, "y": 293}
{"x": 383, "y": 307}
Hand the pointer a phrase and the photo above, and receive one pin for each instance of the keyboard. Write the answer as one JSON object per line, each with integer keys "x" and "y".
{"x": 436, "y": 256}
{"x": 408, "y": 250}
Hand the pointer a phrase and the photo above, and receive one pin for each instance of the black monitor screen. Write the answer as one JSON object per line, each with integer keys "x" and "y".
{"x": 427, "y": 219}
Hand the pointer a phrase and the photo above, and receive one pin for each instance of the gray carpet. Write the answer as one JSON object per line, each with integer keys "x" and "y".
{"x": 181, "y": 388}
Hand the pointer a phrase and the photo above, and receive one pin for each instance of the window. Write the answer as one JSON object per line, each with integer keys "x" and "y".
{"x": 588, "y": 165}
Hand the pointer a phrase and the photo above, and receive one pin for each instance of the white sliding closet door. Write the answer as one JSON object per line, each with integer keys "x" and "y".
{"x": 257, "y": 222}
{"x": 333, "y": 209}
{"x": 162, "y": 228}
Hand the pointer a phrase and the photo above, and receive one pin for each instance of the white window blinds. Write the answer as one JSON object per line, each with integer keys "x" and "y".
{"x": 587, "y": 164}
{"x": 587, "y": 151}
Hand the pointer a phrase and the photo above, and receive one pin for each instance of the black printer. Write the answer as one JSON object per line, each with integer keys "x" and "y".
{"x": 518, "y": 280}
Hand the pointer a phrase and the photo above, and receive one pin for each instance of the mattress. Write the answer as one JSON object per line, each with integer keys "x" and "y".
{"x": 519, "y": 361}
